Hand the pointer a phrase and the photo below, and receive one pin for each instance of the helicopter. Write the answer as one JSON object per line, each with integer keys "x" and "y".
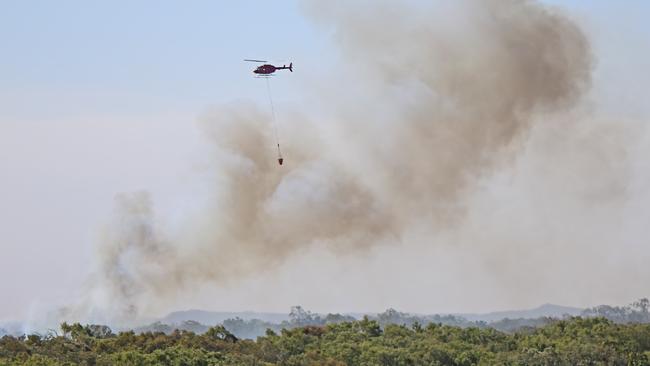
{"x": 268, "y": 69}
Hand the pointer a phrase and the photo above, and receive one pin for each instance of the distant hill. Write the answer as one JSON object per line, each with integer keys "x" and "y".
{"x": 546, "y": 310}
{"x": 217, "y": 317}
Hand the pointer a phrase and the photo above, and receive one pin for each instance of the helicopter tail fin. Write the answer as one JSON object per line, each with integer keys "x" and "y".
{"x": 291, "y": 66}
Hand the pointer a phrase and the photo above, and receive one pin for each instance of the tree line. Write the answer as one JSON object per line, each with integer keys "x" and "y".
{"x": 603, "y": 335}
{"x": 575, "y": 341}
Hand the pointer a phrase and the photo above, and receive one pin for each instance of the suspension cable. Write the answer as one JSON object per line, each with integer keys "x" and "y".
{"x": 273, "y": 121}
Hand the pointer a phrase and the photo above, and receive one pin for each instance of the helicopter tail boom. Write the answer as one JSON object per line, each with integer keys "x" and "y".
{"x": 285, "y": 67}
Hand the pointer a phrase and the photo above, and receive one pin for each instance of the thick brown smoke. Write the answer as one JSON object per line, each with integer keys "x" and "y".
{"x": 435, "y": 98}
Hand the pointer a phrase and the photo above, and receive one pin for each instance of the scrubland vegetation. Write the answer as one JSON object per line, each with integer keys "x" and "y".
{"x": 573, "y": 341}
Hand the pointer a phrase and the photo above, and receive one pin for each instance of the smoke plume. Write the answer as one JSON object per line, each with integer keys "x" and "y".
{"x": 429, "y": 101}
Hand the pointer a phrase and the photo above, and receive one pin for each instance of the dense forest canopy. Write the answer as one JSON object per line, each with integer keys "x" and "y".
{"x": 603, "y": 335}
{"x": 575, "y": 341}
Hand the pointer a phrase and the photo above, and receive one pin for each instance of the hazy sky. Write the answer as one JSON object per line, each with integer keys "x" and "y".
{"x": 98, "y": 98}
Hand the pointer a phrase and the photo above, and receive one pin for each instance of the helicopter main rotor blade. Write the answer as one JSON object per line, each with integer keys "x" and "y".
{"x": 255, "y": 60}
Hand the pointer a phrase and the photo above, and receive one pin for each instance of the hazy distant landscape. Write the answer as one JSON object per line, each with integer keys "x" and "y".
{"x": 251, "y": 325}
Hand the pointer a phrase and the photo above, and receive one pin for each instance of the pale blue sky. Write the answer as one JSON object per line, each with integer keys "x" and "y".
{"x": 92, "y": 91}
{"x": 155, "y": 50}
